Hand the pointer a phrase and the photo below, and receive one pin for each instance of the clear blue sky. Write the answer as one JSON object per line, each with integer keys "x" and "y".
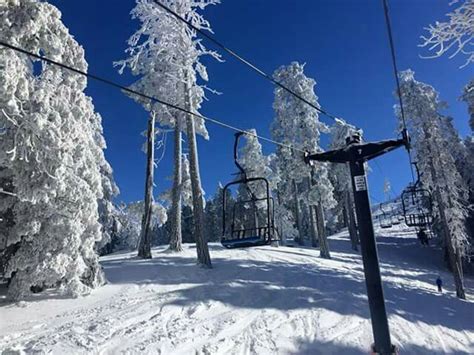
{"x": 345, "y": 48}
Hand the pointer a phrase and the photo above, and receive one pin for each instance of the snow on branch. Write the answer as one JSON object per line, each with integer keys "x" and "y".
{"x": 456, "y": 35}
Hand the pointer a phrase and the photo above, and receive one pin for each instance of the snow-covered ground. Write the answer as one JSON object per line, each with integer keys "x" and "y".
{"x": 264, "y": 300}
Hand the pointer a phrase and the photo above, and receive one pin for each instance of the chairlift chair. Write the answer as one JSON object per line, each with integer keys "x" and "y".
{"x": 417, "y": 205}
{"x": 393, "y": 217}
{"x": 256, "y": 226}
{"x": 385, "y": 220}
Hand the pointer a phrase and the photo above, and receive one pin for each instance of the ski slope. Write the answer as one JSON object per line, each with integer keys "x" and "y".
{"x": 264, "y": 300}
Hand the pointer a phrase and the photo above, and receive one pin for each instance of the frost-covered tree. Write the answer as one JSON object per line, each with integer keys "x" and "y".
{"x": 297, "y": 124}
{"x": 129, "y": 220}
{"x": 468, "y": 98}
{"x": 438, "y": 167}
{"x": 284, "y": 218}
{"x": 107, "y": 209}
{"x": 465, "y": 154}
{"x": 51, "y": 154}
{"x": 387, "y": 188}
{"x": 166, "y": 54}
{"x": 320, "y": 198}
{"x": 185, "y": 200}
{"x": 255, "y": 164}
{"x": 341, "y": 178}
{"x": 459, "y": 151}
{"x": 213, "y": 213}
{"x": 150, "y": 54}
{"x": 455, "y": 35}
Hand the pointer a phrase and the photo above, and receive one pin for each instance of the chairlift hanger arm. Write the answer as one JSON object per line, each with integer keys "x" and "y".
{"x": 236, "y": 153}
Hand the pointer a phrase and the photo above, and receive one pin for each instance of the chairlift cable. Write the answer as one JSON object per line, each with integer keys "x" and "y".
{"x": 246, "y": 62}
{"x": 151, "y": 98}
{"x": 395, "y": 71}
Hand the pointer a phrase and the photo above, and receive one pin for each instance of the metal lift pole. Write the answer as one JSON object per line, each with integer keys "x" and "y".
{"x": 357, "y": 154}
{"x": 368, "y": 248}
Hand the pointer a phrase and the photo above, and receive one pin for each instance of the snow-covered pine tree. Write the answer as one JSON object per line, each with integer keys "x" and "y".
{"x": 296, "y": 123}
{"x": 214, "y": 213}
{"x": 186, "y": 200}
{"x": 152, "y": 51}
{"x": 438, "y": 167}
{"x": 284, "y": 218}
{"x": 468, "y": 97}
{"x": 321, "y": 198}
{"x": 51, "y": 153}
{"x": 211, "y": 226}
{"x": 459, "y": 151}
{"x": 129, "y": 219}
{"x": 454, "y": 35}
{"x": 107, "y": 209}
{"x": 144, "y": 245}
{"x": 166, "y": 54}
{"x": 255, "y": 164}
{"x": 341, "y": 178}
{"x": 192, "y": 50}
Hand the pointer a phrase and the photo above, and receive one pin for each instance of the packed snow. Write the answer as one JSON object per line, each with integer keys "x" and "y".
{"x": 264, "y": 300}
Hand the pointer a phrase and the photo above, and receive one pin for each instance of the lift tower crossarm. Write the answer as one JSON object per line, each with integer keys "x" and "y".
{"x": 364, "y": 152}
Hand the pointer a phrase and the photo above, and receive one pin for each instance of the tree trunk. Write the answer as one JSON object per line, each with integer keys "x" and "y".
{"x": 314, "y": 232}
{"x": 455, "y": 262}
{"x": 312, "y": 222}
{"x": 297, "y": 214}
{"x": 176, "y": 235}
{"x": 281, "y": 235}
{"x": 454, "y": 257}
{"x": 144, "y": 246}
{"x": 323, "y": 240}
{"x": 203, "y": 256}
{"x": 345, "y": 214}
{"x": 352, "y": 222}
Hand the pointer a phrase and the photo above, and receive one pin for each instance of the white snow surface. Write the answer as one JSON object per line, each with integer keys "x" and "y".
{"x": 264, "y": 300}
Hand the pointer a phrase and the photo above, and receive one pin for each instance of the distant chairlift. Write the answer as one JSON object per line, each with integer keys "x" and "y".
{"x": 394, "y": 217}
{"x": 385, "y": 219}
{"x": 417, "y": 205}
{"x": 251, "y": 221}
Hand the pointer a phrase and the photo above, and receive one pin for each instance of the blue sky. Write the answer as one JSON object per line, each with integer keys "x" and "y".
{"x": 345, "y": 48}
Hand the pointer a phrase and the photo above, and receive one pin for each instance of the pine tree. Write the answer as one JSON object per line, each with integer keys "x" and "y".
{"x": 438, "y": 168}
{"x": 298, "y": 124}
{"x": 284, "y": 218}
{"x": 51, "y": 155}
{"x": 107, "y": 209}
{"x": 468, "y": 97}
{"x": 255, "y": 164}
{"x": 152, "y": 49}
{"x": 166, "y": 54}
{"x": 129, "y": 223}
{"x": 214, "y": 213}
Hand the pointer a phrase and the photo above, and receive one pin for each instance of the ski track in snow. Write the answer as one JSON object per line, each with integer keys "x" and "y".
{"x": 262, "y": 300}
